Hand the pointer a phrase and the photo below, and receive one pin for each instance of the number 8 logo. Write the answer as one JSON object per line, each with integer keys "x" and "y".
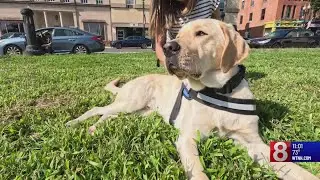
{"x": 280, "y": 151}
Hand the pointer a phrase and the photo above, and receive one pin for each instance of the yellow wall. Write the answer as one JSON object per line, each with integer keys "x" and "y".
{"x": 126, "y": 15}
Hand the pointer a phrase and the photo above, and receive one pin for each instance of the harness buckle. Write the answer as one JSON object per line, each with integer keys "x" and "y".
{"x": 186, "y": 92}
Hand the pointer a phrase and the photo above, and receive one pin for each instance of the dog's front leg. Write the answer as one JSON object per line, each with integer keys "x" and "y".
{"x": 188, "y": 151}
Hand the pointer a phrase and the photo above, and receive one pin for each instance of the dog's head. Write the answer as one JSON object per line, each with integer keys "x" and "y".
{"x": 204, "y": 45}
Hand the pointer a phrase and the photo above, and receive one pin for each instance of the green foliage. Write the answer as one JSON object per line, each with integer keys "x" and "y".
{"x": 38, "y": 95}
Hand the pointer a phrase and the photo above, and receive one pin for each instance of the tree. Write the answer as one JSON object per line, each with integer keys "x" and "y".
{"x": 315, "y": 5}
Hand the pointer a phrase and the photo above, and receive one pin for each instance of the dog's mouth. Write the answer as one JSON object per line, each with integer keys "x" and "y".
{"x": 183, "y": 73}
{"x": 182, "y": 70}
{"x": 177, "y": 72}
{"x": 196, "y": 76}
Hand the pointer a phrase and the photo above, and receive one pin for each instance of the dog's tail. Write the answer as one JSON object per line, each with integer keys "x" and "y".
{"x": 112, "y": 86}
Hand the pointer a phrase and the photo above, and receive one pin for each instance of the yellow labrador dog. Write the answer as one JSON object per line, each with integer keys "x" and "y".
{"x": 205, "y": 53}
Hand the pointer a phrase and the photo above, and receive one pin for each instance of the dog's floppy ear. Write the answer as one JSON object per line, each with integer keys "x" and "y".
{"x": 235, "y": 49}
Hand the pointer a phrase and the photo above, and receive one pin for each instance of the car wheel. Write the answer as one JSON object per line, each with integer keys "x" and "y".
{"x": 118, "y": 46}
{"x": 80, "y": 49}
{"x": 276, "y": 45}
{"x": 12, "y": 50}
{"x": 144, "y": 46}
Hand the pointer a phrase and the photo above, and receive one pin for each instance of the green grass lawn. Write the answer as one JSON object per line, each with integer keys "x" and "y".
{"x": 38, "y": 95}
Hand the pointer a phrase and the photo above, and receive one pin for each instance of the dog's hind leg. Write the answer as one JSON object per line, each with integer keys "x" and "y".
{"x": 260, "y": 152}
{"x": 112, "y": 111}
{"x": 92, "y": 112}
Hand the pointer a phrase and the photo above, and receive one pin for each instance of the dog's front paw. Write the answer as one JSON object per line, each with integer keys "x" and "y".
{"x": 199, "y": 176}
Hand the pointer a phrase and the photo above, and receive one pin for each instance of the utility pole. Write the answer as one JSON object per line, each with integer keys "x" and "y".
{"x": 144, "y": 19}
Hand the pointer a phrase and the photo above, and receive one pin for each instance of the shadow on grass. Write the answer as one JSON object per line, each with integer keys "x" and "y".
{"x": 267, "y": 111}
{"x": 254, "y": 75}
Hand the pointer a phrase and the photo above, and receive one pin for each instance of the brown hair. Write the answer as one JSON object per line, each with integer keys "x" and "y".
{"x": 163, "y": 14}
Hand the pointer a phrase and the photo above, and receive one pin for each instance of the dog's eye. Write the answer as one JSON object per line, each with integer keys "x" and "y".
{"x": 201, "y": 33}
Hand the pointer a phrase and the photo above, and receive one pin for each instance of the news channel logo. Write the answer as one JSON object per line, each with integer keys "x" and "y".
{"x": 287, "y": 151}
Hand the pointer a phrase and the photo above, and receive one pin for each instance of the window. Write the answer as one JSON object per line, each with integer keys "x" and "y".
{"x": 64, "y": 32}
{"x": 263, "y": 13}
{"x": 242, "y": 4}
{"x": 292, "y": 34}
{"x": 76, "y": 33}
{"x": 18, "y": 34}
{"x": 99, "y": 1}
{"x": 11, "y": 26}
{"x": 288, "y": 11}
{"x": 241, "y": 19}
{"x": 130, "y": 3}
{"x": 250, "y": 16}
{"x": 306, "y": 34}
{"x": 95, "y": 28}
{"x": 137, "y": 38}
{"x": 66, "y": 1}
{"x": 282, "y": 14}
{"x": 301, "y": 12}
{"x": 294, "y": 11}
{"x": 51, "y": 0}
{"x": 252, "y": 3}
{"x": 84, "y": 1}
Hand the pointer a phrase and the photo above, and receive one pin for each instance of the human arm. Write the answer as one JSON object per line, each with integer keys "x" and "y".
{"x": 159, "y": 42}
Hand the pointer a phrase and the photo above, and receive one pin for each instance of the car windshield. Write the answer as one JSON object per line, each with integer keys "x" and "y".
{"x": 276, "y": 34}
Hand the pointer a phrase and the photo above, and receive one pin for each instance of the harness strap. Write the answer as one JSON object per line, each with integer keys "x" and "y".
{"x": 233, "y": 105}
{"x": 177, "y": 105}
{"x": 230, "y": 85}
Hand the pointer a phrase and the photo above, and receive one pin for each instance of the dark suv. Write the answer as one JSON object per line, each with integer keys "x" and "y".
{"x": 132, "y": 41}
{"x": 286, "y": 38}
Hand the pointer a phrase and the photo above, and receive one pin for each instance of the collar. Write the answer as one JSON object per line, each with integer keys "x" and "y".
{"x": 231, "y": 84}
{"x": 216, "y": 97}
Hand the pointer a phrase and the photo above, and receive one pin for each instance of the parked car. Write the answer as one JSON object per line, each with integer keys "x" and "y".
{"x": 59, "y": 40}
{"x": 12, "y": 46}
{"x": 286, "y": 38}
{"x": 132, "y": 41}
{"x": 11, "y": 35}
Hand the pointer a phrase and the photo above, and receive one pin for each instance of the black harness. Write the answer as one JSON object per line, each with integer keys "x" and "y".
{"x": 213, "y": 97}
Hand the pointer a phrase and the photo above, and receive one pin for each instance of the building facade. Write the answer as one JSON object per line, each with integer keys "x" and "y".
{"x": 129, "y": 18}
{"x": 112, "y": 19}
{"x": 259, "y": 17}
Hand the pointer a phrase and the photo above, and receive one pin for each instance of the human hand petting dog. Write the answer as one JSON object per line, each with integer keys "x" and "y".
{"x": 204, "y": 56}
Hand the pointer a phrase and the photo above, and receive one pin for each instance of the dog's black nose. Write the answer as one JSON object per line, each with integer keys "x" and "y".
{"x": 171, "y": 48}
